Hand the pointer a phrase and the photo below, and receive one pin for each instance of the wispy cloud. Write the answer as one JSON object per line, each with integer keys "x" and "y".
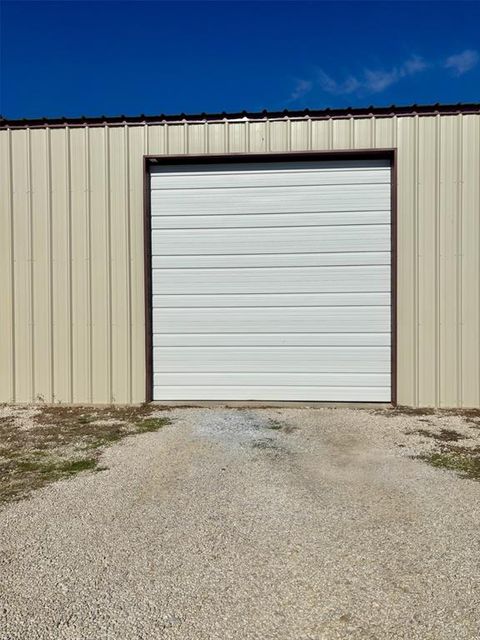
{"x": 301, "y": 89}
{"x": 349, "y": 85}
{"x": 371, "y": 80}
{"x": 462, "y": 62}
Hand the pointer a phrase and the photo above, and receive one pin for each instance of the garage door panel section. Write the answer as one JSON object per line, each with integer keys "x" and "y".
{"x": 234, "y": 221}
{"x": 271, "y": 378}
{"x": 371, "y": 278}
{"x": 343, "y": 238}
{"x": 272, "y": 359}
{"x": 370, "y": 339}
{"x": 274, "y": 393}
{"x": 275, "y": 200}
{"x": 271, "y": 281}
{"x": 334, "y": 299}
{"x": 271, "y": 319}
{"x": 310, "y": 173}
{"x": 232, "y": 261}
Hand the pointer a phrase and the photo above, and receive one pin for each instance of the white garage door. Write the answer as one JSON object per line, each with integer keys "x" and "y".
{"x": 272, "y": 281}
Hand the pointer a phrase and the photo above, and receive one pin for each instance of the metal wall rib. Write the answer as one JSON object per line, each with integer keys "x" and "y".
{"x": 71, "y": 249}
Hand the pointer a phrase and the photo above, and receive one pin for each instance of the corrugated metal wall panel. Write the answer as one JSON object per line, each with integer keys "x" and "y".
{"x": 427, "y": 272}
{"x": 61, "y": 266}
{"x": 137, "y": 147}
{"x": 448, "y": 216}
{"x": 470, "y": 263}
{"x": 23, "y": 267}
{"x": 196, "y": 138}
{"x": 7, "y": 320}
{"x": 80, "y": 265}
{"x": 71, "y": 249}
{"x": 406, "y": 261}
{"x": 101, "y": 336}
{"x": 257, "y": 138}
{"x": 42, "y": 264}
{"x": 120, "y": 250}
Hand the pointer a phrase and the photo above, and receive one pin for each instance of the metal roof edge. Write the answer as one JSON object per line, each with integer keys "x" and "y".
{"x": 315, "y": 114}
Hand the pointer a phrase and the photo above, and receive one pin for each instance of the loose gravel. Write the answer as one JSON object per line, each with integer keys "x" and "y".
{"x": 288, "y": 524}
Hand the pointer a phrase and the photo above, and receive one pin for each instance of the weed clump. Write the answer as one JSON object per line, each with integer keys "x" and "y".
{"x": 466, "y": 464}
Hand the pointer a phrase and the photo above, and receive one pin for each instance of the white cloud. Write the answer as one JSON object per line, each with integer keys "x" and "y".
{"x": 328, "y": 84}
{"x": 460, "y": 63}
{"x": 377, "y": 81}
{"x": 302, "y": 87}
{"x": 414, "y": 64}
{"x": 371, "y": 80}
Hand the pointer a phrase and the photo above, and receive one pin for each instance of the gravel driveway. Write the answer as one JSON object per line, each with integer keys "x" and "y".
{"x": 289, "y": 524}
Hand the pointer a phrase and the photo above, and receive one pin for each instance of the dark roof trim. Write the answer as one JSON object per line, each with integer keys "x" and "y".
{"x": 322, "y": 114}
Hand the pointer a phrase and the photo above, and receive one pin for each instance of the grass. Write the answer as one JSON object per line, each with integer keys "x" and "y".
{"x": 151, "y": 424}
{"x": 466, "y": 464}
{"x": 264, "y": 443}
{"x": 464, "y": 460}
{"x": 274, "y": 425}
{"x": 60, "y": 442}
{"x": 470, "y": 415}
{"x": 58, "y": 468}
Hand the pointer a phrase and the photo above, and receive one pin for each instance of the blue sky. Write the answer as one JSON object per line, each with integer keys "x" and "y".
{"x": 89, "y": 58}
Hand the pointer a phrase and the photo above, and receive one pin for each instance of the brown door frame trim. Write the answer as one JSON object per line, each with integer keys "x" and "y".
{"x": 149, "y": 161}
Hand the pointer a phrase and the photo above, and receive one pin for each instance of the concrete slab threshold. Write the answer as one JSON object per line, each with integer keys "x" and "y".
{"x": 262, "y": 404}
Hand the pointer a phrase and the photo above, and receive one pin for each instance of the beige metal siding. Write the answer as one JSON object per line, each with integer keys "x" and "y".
{"x": 71, "y": 249}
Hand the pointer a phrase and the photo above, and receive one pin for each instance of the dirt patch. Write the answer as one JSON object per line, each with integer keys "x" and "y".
{"x": 444, "y": 435}
{"x": 276, "y": 425}
{"x": 470, "y": 415}
{"x": 393, "y": 412}
{"x": 473, "y": 423}
{"x": 44, "y": 444}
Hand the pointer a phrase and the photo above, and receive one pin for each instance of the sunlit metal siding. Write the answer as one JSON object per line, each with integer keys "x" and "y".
{"x": 72, "y": 256}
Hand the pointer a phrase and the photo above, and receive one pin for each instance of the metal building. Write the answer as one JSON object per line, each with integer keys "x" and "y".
{"x": 301, "y": 256}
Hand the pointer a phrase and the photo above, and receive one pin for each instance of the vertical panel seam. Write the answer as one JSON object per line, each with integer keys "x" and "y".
{"x": 459, "y": 262}
{"x": 438, "y": 278}
{"x": 69, "y": 262}
{"x": 31, "y": 263}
